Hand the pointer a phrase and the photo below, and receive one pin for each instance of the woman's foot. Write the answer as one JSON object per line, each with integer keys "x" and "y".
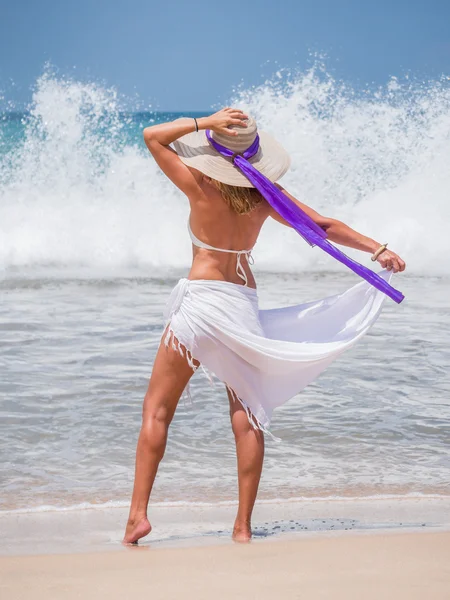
{"x": 136, "y": 529}
{"x": 242, "y": 532}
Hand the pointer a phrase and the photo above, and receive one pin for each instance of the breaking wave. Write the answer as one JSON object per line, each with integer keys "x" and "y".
{"x": 78, "y": 189}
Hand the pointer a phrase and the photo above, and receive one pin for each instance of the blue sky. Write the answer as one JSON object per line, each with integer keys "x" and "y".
{"x": 189, "y": 54}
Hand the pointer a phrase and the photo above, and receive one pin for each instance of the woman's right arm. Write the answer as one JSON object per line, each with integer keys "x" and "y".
{"x": 158, "y": 137}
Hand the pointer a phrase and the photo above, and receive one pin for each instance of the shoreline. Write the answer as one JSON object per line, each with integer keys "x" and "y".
{"x": 118, "y": 504}
{"x": 351, "y": 565}
{"x": 101, "y": 529}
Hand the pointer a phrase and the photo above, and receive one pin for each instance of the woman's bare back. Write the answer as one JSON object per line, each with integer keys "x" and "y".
{"x": 217, "y": 224}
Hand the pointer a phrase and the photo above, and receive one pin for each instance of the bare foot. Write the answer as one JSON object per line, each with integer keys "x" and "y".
{"x": 242, "y": 533}
{"x": 136, "y": 529}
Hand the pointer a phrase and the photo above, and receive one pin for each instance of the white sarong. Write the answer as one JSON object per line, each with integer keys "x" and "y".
{"x": 265, "y": 357}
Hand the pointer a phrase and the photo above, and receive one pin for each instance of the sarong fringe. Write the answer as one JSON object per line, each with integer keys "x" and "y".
{"x": 254, "y": 422}
{"x": 172, "y": 340}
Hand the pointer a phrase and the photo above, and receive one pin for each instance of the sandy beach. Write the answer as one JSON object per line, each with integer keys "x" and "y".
{"x": 348, "y": 565}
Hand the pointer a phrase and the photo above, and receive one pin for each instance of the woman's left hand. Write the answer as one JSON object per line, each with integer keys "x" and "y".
{"x": 391, "y": 261}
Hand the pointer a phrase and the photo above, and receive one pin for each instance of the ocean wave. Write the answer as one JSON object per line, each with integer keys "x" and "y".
{"x": 79, "y": 190}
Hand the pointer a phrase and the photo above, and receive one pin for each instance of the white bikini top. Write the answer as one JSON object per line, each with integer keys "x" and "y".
{"x": 239, "y": 268}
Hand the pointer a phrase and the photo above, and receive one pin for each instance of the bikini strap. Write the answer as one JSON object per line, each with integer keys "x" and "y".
{"x": 239, "y": 268}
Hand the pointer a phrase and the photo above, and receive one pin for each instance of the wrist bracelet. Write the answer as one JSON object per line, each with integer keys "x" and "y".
{"x": 380, "y": 250}
{"x": 196, "y": 124}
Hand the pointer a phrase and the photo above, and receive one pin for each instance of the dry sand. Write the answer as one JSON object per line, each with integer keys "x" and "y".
{"x": 360, "y": 566}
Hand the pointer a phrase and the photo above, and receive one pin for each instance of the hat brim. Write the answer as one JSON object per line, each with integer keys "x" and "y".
{"x": 194, "y": 150}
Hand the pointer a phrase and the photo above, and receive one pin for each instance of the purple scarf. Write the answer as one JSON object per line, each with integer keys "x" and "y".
{"x": 295, "y": 216}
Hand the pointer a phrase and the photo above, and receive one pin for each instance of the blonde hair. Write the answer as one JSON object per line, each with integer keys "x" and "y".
{"x": 241, "y": 199}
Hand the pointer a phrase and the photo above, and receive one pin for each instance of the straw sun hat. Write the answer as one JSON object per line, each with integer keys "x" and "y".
{"x": 271, "y": 160}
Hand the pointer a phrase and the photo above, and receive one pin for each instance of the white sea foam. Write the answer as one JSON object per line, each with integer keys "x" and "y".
{"x": 77, "y": 194}
{"x": 223, "y": 503}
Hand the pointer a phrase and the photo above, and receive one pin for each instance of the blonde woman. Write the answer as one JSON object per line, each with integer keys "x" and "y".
{"x": 227, "y": 170}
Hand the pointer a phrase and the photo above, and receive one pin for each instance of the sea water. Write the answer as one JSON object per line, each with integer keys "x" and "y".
{"x": 93, "y": 238}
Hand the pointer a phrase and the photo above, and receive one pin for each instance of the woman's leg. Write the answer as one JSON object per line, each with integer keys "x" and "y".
{"x": 250, "y": 456}
{"x": 170, "y": 375}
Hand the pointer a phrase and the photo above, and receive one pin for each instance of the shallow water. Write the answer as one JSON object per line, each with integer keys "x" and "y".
{"x": 187, "y": 525}
{"x": 75, "y": 358}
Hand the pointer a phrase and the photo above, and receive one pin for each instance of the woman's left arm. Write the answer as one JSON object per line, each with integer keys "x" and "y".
{"x": 342, "y": 234}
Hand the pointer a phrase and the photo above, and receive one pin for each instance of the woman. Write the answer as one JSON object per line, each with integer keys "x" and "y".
{"x": 213, "y": 319}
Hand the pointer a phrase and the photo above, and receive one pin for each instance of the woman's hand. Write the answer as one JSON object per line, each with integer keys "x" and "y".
{"x": 220, "y": 121}
{"x": 391, "y": 261}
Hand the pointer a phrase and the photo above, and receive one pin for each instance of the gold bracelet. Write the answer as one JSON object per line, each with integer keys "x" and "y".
{"x": 380, "y": 250}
